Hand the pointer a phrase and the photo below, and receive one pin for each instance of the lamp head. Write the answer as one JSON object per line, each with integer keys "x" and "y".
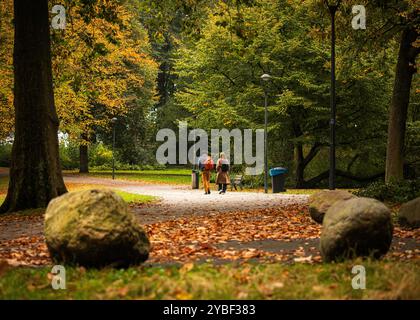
{"x": 114, "y": 120}
{"x": 332, "y": 4}
{"x": 265, "y": 77}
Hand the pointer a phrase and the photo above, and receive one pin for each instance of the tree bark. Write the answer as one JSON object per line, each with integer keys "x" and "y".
{"x": 300, "y": 169}
{"x": 84, "y": 159}
{"x": 35, "y": 173}
{"x": 84, "y": 154}
{"x": 399, "y": 106}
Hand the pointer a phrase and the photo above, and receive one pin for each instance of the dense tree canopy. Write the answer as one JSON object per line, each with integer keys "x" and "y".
{"x": 153, "y": 63}
{"x": 219, "y": 83}
{"x": 6, "y": 69}
{"x": 102, "y": 67}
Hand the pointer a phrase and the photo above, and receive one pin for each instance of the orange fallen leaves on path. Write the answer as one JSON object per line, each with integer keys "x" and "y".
{"x": 289, "y": 231}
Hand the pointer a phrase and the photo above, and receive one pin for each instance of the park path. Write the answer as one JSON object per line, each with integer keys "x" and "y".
{"x": 22, "y": 236}
{"x": 175, "y": 201}
{"x": 179, "y": 200}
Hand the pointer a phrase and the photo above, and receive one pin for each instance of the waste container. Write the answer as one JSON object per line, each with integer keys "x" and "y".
{"x": 195, "y": 179}
{"x": 278, "y": 177}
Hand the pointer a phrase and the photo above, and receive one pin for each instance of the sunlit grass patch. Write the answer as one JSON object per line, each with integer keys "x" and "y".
{"x": 384, "y": 280}
{"x": 135, "y": 198}
{"x": 169, "y": 176}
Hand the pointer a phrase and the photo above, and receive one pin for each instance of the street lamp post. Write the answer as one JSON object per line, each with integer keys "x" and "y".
{"x": 333, "y": 7}
{"x": 114, "y": 122}
{"x": 265, "y": 78}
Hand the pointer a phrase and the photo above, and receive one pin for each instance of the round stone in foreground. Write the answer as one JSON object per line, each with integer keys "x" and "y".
{"x": 320, "y": 202}
{"x": 94, "y": 228}
{"x": 358, "y": 227}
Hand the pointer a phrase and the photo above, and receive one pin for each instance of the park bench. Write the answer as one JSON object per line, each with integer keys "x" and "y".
{"x": 237, "y": 181}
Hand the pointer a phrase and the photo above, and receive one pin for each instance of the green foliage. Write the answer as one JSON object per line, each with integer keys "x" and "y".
{"x": 5, "y": 154}
{"x": 219, "y": 81}
{"x": 69, "y": 156}
{"x": 393, "y": 192}
{"x": 100, "y": 155}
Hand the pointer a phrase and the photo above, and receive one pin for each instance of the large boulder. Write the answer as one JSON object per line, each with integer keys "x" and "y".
{"x": 94, "y": 228}
{"x": 356, "y": 227}
{"x": 409, "y": 214}
{"x": 320, "y": 202}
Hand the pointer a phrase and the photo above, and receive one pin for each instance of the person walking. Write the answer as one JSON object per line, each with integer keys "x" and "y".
{"x": 222, "y": 178}
{"x": 206, "y": 166}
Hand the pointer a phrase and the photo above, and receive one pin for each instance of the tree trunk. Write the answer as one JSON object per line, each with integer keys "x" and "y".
{"x": 399, "y": 106}
{"x": 84, "y": 154}
{"x": 300, "y": 168}
{"x": 35, "y": 173}
{"x": 84, "y": 159}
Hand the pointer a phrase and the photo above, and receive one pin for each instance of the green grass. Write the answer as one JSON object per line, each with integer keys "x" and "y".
{"x": 128, "y": 197}
{"x": 384, "y": 280}
{"x": 135, "y": 198}
{"x": 310, "y": 191}
{"x": 4, "y": 182}
{"x": 170, "y": 176}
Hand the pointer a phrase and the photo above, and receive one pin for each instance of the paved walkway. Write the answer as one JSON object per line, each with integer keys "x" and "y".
{"x": 178, "y": 201}
{"x": 174, "y": 201}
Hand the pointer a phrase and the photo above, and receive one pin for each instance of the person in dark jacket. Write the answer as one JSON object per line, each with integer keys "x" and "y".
{"x": 222, "y": 178}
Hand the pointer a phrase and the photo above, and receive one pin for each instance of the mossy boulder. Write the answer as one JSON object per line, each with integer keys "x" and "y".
{"x": 94, "y": 228}
{"x": 320, "y": 202}
{"x": 358, "y": 227}
{"x": 409, "y": 214}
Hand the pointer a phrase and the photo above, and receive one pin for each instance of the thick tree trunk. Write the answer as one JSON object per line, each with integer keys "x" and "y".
{"x": 399, "y": 106}
{"x": 84, "y": 159}
{"x": 35, "y": 173}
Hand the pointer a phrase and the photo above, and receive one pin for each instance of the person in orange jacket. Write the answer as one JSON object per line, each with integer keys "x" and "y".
{"x": 206, "y": 166}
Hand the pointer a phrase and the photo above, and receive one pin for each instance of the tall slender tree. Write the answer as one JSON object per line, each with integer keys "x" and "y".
{"x": 35, "y": 173}
{"x": 406, "y": 68}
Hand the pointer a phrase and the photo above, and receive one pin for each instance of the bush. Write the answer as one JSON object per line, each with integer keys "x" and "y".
{"x": 100, "y": 155}
{"x": 69, "y": 156}
{"x": 5, "y": 154}
{"x": 393, "y": 192}
{"x": 127, "y": 167}
{"x": 100, "y": 158}
{"x": 255, "y": 181}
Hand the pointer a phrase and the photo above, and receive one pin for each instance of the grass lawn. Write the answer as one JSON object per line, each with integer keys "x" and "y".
{"x": 128, "y": 197}
{"x": 135, "y": 198}
{"x": 170, "y": 176}
{"x": 384, "y": 280}
{"x": 4, "y": 182}
{"x": 176, "y": 176}
{"x": 311, "y": 191}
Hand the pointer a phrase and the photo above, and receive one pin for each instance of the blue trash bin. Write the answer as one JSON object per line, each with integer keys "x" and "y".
{"x": 278, "y": 178}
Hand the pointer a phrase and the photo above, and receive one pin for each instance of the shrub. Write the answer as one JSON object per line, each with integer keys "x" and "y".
{"x": 393, "y": 192}
{"x": 5, "y": 154}
{"x": 100, "y": 156}
{"x": 69, "y": 156}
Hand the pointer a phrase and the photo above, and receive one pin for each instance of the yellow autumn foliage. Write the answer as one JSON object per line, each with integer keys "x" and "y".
{"x": 102, "y": 64}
